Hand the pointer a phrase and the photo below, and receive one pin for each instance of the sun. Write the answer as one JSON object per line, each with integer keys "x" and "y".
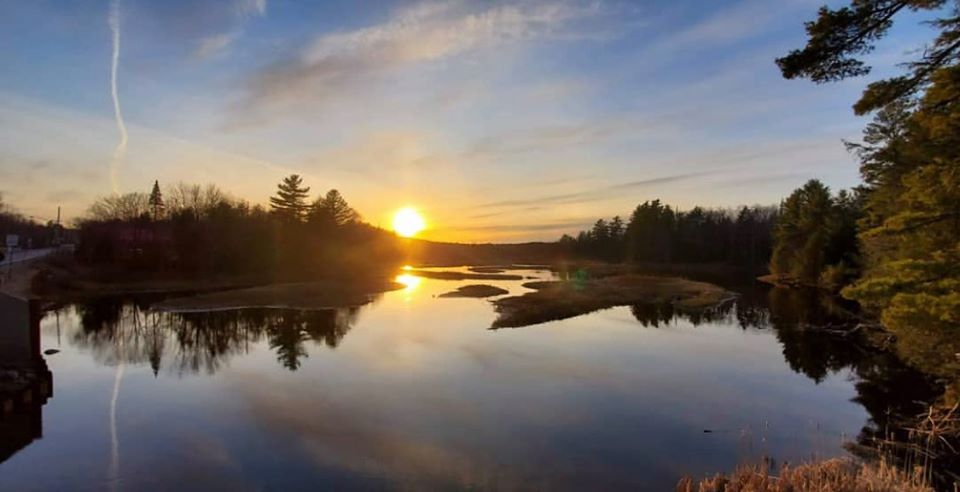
{"x": 407, "y": 222}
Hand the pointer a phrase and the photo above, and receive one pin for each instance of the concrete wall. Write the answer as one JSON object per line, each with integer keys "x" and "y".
{"x": 19, "y": 333}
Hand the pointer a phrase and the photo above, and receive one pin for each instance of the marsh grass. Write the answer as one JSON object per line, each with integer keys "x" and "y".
{"x": 931, "y": 445}
{"x": 555, "y": 300}
{"x": 835, "y": 475}
{"x": 914, "y": 464}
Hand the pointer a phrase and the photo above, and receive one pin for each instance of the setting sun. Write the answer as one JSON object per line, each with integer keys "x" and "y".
{"x": 407, "y": 222}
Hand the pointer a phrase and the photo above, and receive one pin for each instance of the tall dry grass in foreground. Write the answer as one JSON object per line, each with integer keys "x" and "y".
{"x": 834, "y": 475}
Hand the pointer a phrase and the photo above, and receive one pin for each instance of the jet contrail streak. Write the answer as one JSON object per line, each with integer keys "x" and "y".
{"x": 113, "y": 474}
{"x": 120, "y": 151}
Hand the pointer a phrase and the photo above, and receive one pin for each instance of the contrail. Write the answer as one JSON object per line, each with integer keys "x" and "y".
{"x": 121, "y": 150}
{"x": 114, "y": 473}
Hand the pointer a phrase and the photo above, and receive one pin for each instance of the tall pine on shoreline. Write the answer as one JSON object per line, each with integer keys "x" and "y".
{"x": 910, "y": 163}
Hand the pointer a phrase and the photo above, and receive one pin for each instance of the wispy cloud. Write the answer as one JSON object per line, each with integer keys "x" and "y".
{"x": 549, "y": 138}
{"x": 251, "y": 7}
{"x": 595, "y": 193}
{"x": 427, "y": 32}
{"x": 563, "y": 225}
{"x": 218, "y": 44}
{"x": 214, "y": 45}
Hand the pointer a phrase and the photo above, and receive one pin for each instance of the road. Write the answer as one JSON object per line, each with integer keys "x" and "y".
{"x": 19, "y": 255}
{"x": 16, "y": 273}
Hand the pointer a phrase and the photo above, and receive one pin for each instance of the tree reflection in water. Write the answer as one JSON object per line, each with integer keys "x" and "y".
{"x": 202, "y": 341}
{"x": 814, "y": 332}
{"x": 820, "y": 336}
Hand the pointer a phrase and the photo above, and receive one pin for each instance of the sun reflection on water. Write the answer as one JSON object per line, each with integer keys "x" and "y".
{"x": 410, "y": 283}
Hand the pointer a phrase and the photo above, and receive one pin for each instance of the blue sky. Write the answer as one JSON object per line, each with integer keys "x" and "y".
{"x": 501, "y": 121}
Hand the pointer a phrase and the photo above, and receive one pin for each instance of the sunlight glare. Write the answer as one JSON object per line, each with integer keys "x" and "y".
{"x": 410, "y": 282}
{"x": 407, "y": 222}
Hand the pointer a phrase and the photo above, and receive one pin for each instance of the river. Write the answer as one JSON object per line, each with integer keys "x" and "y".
{"x": 414, "y": 391}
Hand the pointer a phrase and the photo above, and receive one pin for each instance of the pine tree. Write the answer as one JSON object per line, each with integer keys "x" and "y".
{"x": 910, "y": 162}
{"x": 816, "y": 235}
{"x": 333, "y": 210}
{"x": 290, "y": 202}
{"x": 156, "y": 200}
{"x": 837, "y": 36}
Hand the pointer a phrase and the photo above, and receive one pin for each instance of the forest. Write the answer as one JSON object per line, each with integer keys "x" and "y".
{"x": 201, "y": 229}
{"x": 656, "y": 233}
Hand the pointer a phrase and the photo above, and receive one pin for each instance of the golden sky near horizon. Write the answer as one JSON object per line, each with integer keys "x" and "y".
{"x": 497, "y": 121}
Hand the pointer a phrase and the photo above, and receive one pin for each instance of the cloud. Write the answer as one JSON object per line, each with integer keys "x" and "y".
{"x": 335, "y": 63}
{"x": 488, "y": 215}
{"x": 216, "y": 44}
{"x": 251, "y": 7}
{"x": 64, "y": 195}
{"x": 740, "y": 21}
{"x": 533, "y": 227}
{"x": 594, "y": 194}
{"x": 219, "y": 44}
{"x": 543, "y": 138}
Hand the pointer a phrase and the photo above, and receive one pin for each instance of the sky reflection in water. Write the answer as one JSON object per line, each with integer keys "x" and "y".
{"x": 415, "y": 391}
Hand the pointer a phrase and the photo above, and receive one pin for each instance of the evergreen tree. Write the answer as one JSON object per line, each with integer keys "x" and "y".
{"x": 332, "y": 210}
{"x": 910, "y": 162}
{"x": 156, "y": 200}
{"x": 837, "y": 36}
{"x": 815, "y": 237}
{"x": 290, "y": 202}
{"x": 650, "y": 232}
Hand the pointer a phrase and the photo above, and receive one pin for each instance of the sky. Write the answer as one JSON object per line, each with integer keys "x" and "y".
{"x": 499, "y": 121}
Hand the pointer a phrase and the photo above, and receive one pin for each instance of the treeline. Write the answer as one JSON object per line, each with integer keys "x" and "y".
{"x": 201, "y": 229}
{"x": 659, "y": 234}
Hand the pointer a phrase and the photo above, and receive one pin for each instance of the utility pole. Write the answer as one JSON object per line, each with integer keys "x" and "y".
{"x": 57, "y": 230}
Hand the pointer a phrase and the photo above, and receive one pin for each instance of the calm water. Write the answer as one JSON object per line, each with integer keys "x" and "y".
{"x": 415, "y": 392}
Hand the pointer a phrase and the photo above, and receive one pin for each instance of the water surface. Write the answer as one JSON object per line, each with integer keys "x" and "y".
{"x": 414, "y": 391}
